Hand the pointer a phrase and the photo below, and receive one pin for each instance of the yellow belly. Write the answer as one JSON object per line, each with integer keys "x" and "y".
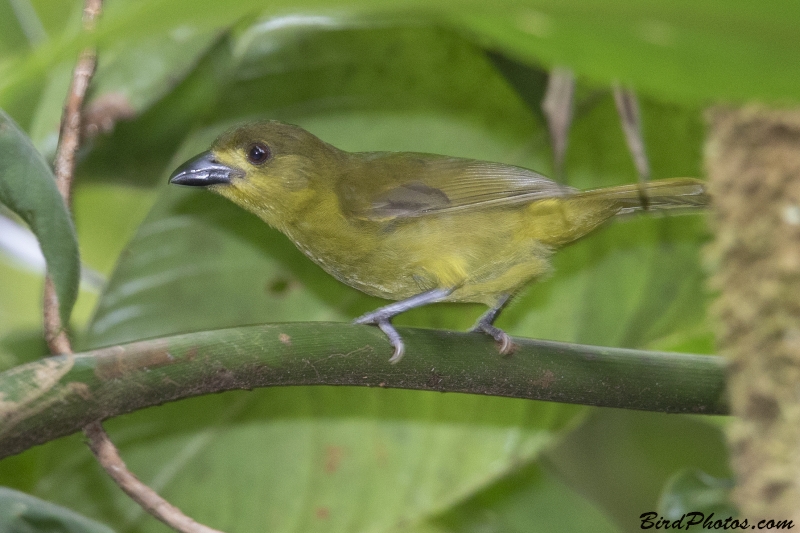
{"x": 478, "y": 254}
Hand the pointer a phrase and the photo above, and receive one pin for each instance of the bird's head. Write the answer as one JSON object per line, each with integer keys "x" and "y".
{"x": 268, "y": 167}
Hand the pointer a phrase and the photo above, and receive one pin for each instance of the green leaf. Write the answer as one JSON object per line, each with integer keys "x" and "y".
{"x": 622, "y": 460}
{"x": 20, "y": 315}
{"x": 531, "y": 499}
{"x": 144, "y": 70}
{"x": 21, "y": 346}
{"x": 309, "y": 458}
{"x": 60, "y": 20}
{"x": 106, "y": 217}
{"x": 20, "y": 513}
{"x": 46, "y": 120}
{"x": 131, "y": 76}
{"x": 27, "y": 187}
{"x": 684, "y": 51}
{"x": 12, "y": 36}
{"x": 694, "y": 491}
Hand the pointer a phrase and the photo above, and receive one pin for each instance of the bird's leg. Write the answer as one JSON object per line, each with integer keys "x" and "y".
{"x": 485, "y": 324}
{"x": 382, "y": 317}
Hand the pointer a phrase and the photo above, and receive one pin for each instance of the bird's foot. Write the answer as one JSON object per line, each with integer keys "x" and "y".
{"x": 382, "y": 317}
{"x": 386, "y": 327}
{"x": 505, "y": 345}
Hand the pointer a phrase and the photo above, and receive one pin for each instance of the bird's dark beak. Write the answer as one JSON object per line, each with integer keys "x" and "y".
{"x": 203, "y": 170}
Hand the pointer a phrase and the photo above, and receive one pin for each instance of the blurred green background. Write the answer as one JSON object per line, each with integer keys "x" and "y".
{"x": 443, "y": 76}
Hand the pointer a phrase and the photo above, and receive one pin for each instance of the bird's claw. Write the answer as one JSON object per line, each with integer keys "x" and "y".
{"x": 386, "y": 327}
{"x": 503, "y": 339}
{"x": 394, "y": 339}
{"x": 382, "y": 317}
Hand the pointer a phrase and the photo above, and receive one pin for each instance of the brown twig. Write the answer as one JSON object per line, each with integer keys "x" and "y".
{"x": 557, "y": 106}
{"x": 628, "y": 108}
{"x": 107, "y": 454}
{"x": 55, "y": 335}
{"x": 630, "y": 117}
{"x": 69, "y": 137}
{"x": 64, "y": 169}
{"x": 57, "y": 339}
{"x": 91, "y": 12}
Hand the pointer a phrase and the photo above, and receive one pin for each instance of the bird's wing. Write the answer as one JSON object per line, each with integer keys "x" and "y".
{"x": 394, "y": 185}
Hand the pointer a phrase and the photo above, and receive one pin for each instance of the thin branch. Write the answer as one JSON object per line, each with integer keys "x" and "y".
{"x": 54, "y": 333}
{"x": 70, "y": 135}
{"x": 628, "y": 108}
{"x": 557, "y": 106}
{"x": 69, "y": 138}
{"x": 91, "y": 12}
{"x": 57, "y": 339}
{"x": 108, "y": 455}
{"x": 64, "y": 169}
{"x": 57, "y": 396}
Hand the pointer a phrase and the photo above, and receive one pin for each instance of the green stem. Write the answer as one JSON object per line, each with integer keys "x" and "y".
{"x": 57, "y": 396}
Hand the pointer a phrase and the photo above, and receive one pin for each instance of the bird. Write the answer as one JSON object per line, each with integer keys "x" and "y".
{"x": 416, "y": 228}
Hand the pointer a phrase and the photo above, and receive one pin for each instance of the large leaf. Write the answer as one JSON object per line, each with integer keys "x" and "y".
{"x": 27, "y": 187}
{"x": 131, "y": 76}
{"x": 684, "y": 51}
{"x": 60, "y": 21}
{"x": 56, "y": 17}
{"x": 622, "y": 460}
{"x": 12, "y": 35}
{"x": 688, "y": 51}
{"x": 21, "y": 338}
{"x": 301, "y": 458}
{"x": 532, "y": 499}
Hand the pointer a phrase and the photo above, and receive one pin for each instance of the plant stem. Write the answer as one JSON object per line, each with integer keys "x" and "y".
{"x": 51, "y": 398}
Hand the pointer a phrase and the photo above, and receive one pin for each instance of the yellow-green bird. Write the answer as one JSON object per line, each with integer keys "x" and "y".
{"x": 412, "y": 227}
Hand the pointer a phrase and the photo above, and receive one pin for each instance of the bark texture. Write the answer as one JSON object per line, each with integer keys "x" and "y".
{"x": 753, "y": 163}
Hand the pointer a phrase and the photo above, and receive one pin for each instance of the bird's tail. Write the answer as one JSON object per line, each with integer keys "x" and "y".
{"x": 659, "y": 195}
{"x": 556, "y": 223}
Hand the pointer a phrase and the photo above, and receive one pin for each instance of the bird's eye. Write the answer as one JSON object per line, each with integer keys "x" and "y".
{"x": 257, "y": 153}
